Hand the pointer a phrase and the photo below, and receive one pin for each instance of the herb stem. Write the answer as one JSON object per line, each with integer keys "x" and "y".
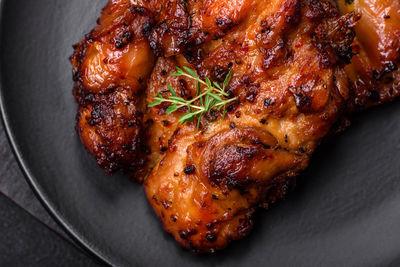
{"x": 210, "y": 98}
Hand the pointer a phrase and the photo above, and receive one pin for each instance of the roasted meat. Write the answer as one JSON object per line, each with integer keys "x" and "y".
{"x": 299, "y": 67}
{"x": 373, "y": 72}
{"x": 209, "y": 183}
{"x": 110, "y": 68}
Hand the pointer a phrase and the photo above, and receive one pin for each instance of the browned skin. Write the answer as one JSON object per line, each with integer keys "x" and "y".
{"x": 289, "y": 76}
{"x": 208, "y": 184}
{"x": 111, "y": 68}
{"x": 374, "y": 75}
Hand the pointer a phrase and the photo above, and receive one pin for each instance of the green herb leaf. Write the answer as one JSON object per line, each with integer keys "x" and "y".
{"x": 173, "y": 93}
{"x": 217, "y": 85}
{"x": 208, "y": 82}
{"x": 186, "y": 117}
{"x": 198, "y": 121}
{"x": 171, "y": 109}
{"x": 155, "y": 103}
{"x": 198, "y": 85}
{"x": 178, "y": 99}
{"x": 190, "y": 72}
{"x": 227, "y": 79}
{"x": 217, "y": 97}
{"x": 207, "y": 102}
{"x": 213, "y": 96}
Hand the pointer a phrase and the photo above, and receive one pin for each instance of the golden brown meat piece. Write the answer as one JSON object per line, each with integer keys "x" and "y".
{"x": 207, "y": 184}
{"x": 374, "y": 75}
{"x": 184, "y": 24}
{"x": 111, "y": 68}
{"x": 110, "y": 126}
{"x": 291, "y": 78}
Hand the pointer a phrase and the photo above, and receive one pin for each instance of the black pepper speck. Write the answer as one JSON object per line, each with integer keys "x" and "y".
{"x": 211, "y": 237}
{"x": 189, "y": 169}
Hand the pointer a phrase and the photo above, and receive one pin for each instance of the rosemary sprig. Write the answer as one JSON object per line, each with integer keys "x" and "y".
{"x": 212, "y": 96}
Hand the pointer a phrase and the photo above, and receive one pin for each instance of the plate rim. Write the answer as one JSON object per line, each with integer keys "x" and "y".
{"x": 30, "y": 178}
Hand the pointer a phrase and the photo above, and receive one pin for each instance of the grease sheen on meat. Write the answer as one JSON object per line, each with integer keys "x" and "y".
{"x": 299, "y": 66}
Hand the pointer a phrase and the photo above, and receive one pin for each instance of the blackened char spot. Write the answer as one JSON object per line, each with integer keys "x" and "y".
{"x": 219, "y": 73}
{"x": 252, "y": 94}
{"x": 275, "y": 55}
{"x": 211, "y": 237}
{"x": 229, "y": 166}
{"x": 140, "y": 10}
{"x": 147, "y": 27}
{"x": 373, "y": 95}
{"x": 224, "y": 23}
{"x": 294, "y": 17}
{"x": 96, "y": 111}
{"x": 315, "y": 10}
{"x": 390, "y": 67}
{"x": 246, "y": 225}
{"x": 90, "y": 98}
{"x": 268, "y": 102}
{"x": 333, "y": 39}
{"x": 123, "y": 40}
{"x": 189, "y": 169}
{"x": 303, "y": 101}
{"x": 187, "y": 233}
{"x": 345, "y": 52}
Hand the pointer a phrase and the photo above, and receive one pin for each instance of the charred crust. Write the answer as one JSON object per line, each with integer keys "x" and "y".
{"x": 185, "y": 234}
{"x": 147, "y": 27}
{"x": 302, "y": 100}
{"x": 273, "y": 56}
{"x": 315, "y": 10}
{"x": 333, "y": 39}
{"x": 268, "y": 102}
{"x": 140, "y": 10}
{"x": 189, "y": 169}
{"x": 100, "y": 118}
{"x": 302, "y": 150}
{"x": 252, "y": 94}
{"x": 388, "y": 68}
{"x": 246, "y": 225}
{"x": 214, "y": 197}
{"x": 318, "y": 10}
{"x": 122, "y": 40}
{"x": 219, "y": 73}
{"x": 174, "y": 24}
{"x": 223, "y": 169}
{"x": 373, "y": 95}
{"x": 211, "y": 237}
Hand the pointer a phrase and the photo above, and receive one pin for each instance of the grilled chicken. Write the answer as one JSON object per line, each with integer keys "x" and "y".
{"x": 373, "y": 73}
{"x": 111, "y": 67}
{"x": 298, "y": 67}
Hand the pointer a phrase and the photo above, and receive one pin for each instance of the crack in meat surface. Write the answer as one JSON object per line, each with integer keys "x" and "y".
{"x": 299, "y": 66}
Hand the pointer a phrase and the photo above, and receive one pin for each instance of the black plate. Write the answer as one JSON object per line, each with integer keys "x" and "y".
{"x": 345, "y": 212}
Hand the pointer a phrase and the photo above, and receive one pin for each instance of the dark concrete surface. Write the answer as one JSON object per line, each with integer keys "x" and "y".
{"x": 14, "y": 185}
{"x": 28, "y": 234}
{"x": 24, "y": 241}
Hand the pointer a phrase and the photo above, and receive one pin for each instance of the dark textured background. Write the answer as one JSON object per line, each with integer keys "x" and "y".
{"x": 28, "y": 235}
